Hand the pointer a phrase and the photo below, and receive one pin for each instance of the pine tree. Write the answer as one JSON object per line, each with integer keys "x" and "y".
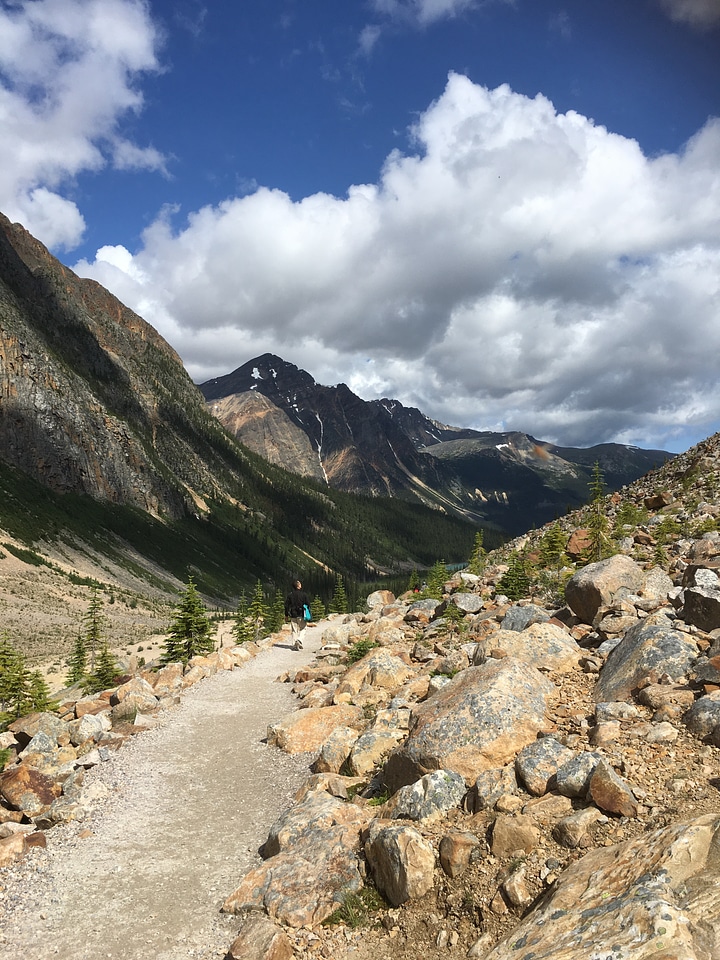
{"x": 339, "y": 603}
{"x": 515, "y": 582}
{"x": 242, "y": 628}
{"x": 598, "y": 521}
{"x": 39, "y": 693}
{"x": 436, "y": 581}
{"x": 105, "y": 672}
{"x": 77, "y": 664}
{"x": 257, "y": 611}
{"x": 552, "y": 547}
{"x": 94, "y": 622}
{"x": 414, "y": 581}
{"x": 476, "y": 563}
{"x": 276, "y": 614}
{"x": 190, "y": 631}
{"x": 317, "y": 608}
{"x": 15, "y": 686}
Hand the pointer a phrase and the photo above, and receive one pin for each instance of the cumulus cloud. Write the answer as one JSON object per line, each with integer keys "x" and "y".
{"x": 521, "y": 267}
{"x": 703, "y": 14}
{"x": 67, "y": 72}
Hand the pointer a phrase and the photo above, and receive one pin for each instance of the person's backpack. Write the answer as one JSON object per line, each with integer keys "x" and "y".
{"x": 307, "y": 615}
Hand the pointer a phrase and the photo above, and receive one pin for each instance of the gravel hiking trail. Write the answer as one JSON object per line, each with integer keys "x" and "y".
{"x": 190, "y": 801}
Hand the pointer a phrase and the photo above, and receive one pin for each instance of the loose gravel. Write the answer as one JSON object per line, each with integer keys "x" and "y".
{"x": 182, "y": 809}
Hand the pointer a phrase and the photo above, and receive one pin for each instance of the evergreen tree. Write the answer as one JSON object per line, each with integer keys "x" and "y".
{"x": 190, "y": 631}
{"x": 414, "y": 581}
{"x": 339, "y": 603}
{"x": 257, "y": 611}
{"x": 476, "y": 563}
{"x": 242, "y": 628}
{"x": 40, "y": 693}
{"x": 276, "y": 614}
{"x": 105, "y": 672}
{"x": 94, "y": 622}
{"x": 515, "y": 582}
{"x": 552, "y": 548}
{"x": 436, "y": 581}
{"x": 317, "y": 608}
{"x": 15, "y": 685}
{"x": 598, "y": 521}
{"x": 77, "y": 664}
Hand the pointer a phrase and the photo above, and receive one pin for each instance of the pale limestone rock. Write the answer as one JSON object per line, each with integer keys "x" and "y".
{"x": 260, "y": 939}
{"x": 312, "y": 863}
{"x": 370, "y": 749}
{"x": 335, "y": 750}
{"x": 305, "y": 731}
{"x": 599, "y": 584}
{"x": 401, "y": 860}
{"x": 378, "y": 668}
{"x": 380, "y": 598}
{"x": 657, "y": 896}
{"x": 428, "y": 798}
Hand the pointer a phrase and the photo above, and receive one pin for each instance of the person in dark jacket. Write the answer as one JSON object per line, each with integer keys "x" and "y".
{"x": 295, "y": 611}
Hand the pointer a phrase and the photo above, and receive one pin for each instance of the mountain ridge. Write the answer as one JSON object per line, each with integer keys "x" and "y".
{"x": 508, "y": 480}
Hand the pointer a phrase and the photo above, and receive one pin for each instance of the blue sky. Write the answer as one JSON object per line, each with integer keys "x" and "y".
{"x": 504, "y": 212}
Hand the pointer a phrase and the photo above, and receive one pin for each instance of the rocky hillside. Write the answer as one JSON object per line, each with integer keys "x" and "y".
{"x": 508, "y": 480}
{"x": 494, "y": 778}
{"x": 109, "y": 458}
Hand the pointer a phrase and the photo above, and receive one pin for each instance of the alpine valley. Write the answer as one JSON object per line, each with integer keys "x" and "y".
{"x": 116, "y": 469}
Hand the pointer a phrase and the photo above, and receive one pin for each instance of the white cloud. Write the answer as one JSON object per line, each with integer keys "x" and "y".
{"x": 703, "y": 14}
{"x": 423, "y": 12}
{"x": 67, "y": 72}
{"x": 522, "y": 267}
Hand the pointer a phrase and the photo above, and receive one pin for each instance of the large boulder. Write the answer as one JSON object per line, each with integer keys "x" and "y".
{"x": 312, "y": 863}
{"x": 476, "y": 722}
{"x": 305, "y": 731}
{"x": 380, "y": 668}
{"x": 652, "y": 897}
{"x": 648, "y": 650}
{"x": 542, "y": 645}
{"x": 599, "y": 584}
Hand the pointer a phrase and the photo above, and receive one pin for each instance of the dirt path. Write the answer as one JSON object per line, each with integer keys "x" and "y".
{"x": 190, "y": 803}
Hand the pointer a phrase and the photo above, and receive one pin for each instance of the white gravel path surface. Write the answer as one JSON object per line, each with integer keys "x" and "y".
{"x": 190, "y": 801}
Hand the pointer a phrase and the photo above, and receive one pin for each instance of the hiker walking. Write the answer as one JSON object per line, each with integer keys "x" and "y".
{"x": 295, "y": 603}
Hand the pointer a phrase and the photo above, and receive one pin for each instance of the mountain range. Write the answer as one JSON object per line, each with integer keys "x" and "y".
{"x": 509, "y": 481}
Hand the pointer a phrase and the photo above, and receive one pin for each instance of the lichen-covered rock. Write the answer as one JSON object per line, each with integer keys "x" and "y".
{"x": 657, "y": 896}
{"x": 520, "y": 616}
{"x": 478, "y": 721}
{"x": 401, "y": 861}
{"x": 335, "y": 750}
{"x": 537, "y": 763}
{"x": 541, "y": 645}
{"x": 428, "y": 798}
{"x": 703, "y": 718}
{"x": 27, "y": 789}
{"x": 489, "y": 786}
{"x": 647, "y": 651}
{"x": 312, "y": 863}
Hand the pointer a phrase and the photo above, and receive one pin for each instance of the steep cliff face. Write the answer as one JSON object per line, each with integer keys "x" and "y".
{"x": 92, "y": 398}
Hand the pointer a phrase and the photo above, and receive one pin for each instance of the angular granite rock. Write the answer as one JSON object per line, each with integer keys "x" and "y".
{"x": 653, "y": 898}
{"x": 478, "y": 721}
